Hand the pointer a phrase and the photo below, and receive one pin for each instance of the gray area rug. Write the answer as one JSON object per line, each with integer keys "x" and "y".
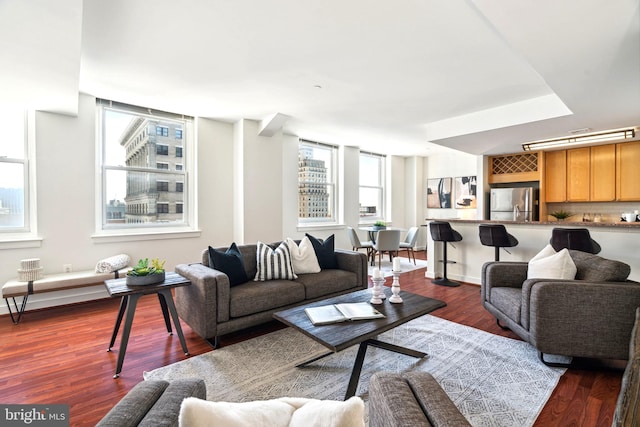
{"x": 406, "y": 265}
{"x": 494, "y": 381}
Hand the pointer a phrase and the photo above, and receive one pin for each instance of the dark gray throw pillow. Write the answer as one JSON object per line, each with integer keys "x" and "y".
{"x": 230, "y": 263}
{"x": 325, "y": 252}
{"x": 594, "y": 268}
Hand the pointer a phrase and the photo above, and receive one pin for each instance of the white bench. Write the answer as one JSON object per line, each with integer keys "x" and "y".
{"x": 50, "y": 283}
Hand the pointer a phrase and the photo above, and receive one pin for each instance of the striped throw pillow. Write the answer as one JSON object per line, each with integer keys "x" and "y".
{"x": 274, "y": 264}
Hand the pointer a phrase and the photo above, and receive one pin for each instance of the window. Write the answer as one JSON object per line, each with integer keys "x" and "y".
{"x": 136, "y": 189}
{"x": 372, "y": 179}
{"x": 178, "y": 133}
{"x": 15, "y": 174}
{"x": 178, "y": 151}
{"x": 316, "y": 183}
{"x": 178, "y": 207}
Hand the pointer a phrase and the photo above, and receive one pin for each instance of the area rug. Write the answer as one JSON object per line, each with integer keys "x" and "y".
{"x": 405, "y": 265}
{"x": 493, "y": 380}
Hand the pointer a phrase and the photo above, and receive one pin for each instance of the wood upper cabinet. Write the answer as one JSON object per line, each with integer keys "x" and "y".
{"x": 555, "y": 176}
{"x": 578, "y": 168}
{"x": 628, "y": 171}
{"x": 603, "y": 173}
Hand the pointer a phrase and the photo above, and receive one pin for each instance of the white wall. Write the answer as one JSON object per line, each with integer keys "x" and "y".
{"x": 247, "y": 190}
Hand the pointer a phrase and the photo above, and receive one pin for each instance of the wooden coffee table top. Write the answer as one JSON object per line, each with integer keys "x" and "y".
{"x": 339, "y": 336}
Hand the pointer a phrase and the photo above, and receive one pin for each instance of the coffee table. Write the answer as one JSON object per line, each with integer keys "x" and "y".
{"x": 339, "y": 336}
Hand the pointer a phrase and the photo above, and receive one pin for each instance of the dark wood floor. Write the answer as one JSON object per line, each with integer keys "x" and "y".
{"x": 59, "y": 355}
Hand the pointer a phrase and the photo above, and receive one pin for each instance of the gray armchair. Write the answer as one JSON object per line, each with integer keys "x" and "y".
{"x": 591, "y": 316}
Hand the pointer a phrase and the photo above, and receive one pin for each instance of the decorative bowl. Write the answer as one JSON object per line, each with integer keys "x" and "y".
{"x": 150, "y": 279}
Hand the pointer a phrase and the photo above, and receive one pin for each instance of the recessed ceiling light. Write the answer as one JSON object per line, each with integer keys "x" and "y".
{"x": 317, "y": 87}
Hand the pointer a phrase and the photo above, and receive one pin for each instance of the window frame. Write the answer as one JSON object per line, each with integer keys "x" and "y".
{"x": 332, "y": 184}
{"x": 382, "y": 160}
{"x": 27, "y": 235}
{"x": 150, "y": 230}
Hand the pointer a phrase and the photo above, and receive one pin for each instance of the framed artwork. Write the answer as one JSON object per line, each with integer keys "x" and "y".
{"x": 439, "y": 193}
{"x": 466, "y": 188}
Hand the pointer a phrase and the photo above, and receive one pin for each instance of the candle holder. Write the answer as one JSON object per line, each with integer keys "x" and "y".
{"x": 377, "y": 294}
{"x": 395, "y": 288}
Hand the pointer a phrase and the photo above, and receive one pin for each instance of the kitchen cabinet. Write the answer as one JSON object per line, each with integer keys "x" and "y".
{"x": 628, "y": 171}
{"x": 555, "y": 174}
{"x": 603, "y": 173}
{"x": 578, "y": 161}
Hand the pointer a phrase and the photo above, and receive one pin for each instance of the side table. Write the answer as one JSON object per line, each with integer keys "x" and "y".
{"x": 130, "y": 296}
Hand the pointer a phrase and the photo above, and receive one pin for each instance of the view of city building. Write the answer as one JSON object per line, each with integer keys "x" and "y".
{"x": 313, "y": 195}
{"x": 11, "y": 207}
{"x": 151, "y": 197}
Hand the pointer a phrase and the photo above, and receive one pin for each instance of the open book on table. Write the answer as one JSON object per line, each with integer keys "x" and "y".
{"x": 335, "y": 313}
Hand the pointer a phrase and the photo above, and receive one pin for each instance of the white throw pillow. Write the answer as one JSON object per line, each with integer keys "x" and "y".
{"x": 549, "y": 264}
{"x": 303, "y": 256}
{"x": 329, "y": 413}
{"x": 195, "y": 412}
{"x": 286, "y": 411}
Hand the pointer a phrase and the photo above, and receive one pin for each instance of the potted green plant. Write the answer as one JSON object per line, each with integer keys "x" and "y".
{"x": 379, "y": 225}
{"x": 561, "y": 215}
{"x": 143, "y": 274}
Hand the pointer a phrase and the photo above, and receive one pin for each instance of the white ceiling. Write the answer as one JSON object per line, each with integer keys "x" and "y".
{"x": 406, "y": 78}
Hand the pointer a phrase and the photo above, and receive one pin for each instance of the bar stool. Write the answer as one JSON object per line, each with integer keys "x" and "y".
{"x": 496, "y": 235}
{"x": 441, "y": 231}
{"x": 574, "y": 238}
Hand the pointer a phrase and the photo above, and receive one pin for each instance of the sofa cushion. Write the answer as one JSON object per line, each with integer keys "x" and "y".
{"x": 132, "y": 408}
{"x": 549, "y": 264}
{"x": 230, "y": 262}
{"x": 594, "y": 268}
{"x": 303, "y": 256}
{"x": 166, "y": 410}
{"x": 285, "y": 411}
{"x": 325, "y": 251}
{"x": 507, "y": 300}
{"x": 273, "y": 263}
{"x": 255, "y": 297}
{"x": 327, "y": 282}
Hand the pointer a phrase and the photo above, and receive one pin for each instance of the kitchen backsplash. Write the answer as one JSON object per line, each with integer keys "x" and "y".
{"x": 608, "y": 211}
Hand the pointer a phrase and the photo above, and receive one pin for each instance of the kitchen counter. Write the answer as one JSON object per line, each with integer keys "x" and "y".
{"x": 619, "y": 241}
{"x": 553, "y": 223}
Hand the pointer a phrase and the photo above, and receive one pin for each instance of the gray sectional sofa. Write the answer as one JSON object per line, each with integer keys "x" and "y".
{"x": 212, "y": 307}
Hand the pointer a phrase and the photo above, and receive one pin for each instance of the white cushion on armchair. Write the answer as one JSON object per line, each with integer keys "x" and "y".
{"x": 549, "y": 264}
{"x": 285, "y": 412}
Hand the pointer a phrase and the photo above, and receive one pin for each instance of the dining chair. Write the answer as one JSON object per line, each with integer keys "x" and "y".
{"x": 387, "y": 241}
{"x": 409, "y": 242}
{"x": 356, "y": 244}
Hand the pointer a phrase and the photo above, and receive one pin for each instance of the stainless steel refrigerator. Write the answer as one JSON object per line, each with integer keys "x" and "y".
{"x": 513, "y": 204}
